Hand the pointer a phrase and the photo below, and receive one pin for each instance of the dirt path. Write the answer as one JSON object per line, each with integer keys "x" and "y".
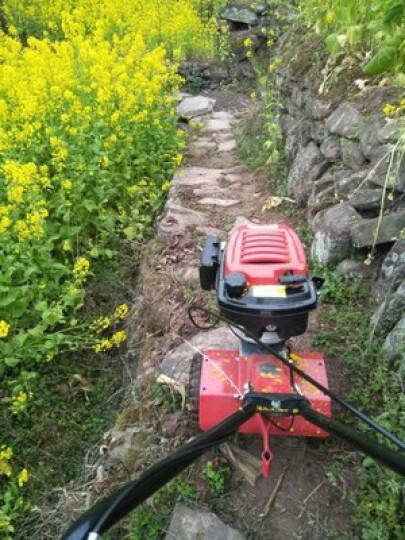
{"x": 210, "y": 191}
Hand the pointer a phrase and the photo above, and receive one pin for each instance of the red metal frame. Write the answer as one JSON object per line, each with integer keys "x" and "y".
{"x": 224, "y": 375}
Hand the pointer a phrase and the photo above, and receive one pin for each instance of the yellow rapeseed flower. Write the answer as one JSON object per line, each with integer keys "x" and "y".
{"x": 4, "y": 329}
{"x": 389, "y": 109}
{"x": 120, "y": 312}
{"x": 247, "y": 42}
{"x": 118, "y": 338}
{"x": 81, "y": 268}
{"x": 23, "y": 477}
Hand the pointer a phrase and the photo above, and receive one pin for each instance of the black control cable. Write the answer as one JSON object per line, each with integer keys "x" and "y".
{"x": 110, "y": 510}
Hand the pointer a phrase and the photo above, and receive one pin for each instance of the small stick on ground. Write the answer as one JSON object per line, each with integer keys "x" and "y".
{"x": 304, "y": 504}
{"x": 269, "y": 503}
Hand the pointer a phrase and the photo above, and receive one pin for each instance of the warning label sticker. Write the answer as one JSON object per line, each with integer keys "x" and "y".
{"x": 268, "y": 291}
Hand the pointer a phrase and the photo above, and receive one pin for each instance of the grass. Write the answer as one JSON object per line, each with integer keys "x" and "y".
{"x": 375, "y": 387}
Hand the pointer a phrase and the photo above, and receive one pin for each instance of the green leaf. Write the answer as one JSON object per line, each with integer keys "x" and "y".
{"x": 395, "y": 14}
{"x": 130, "y": 232}
{"x": 11, "y": 361}
{"x": 332, "y": 44}
{"x": 89, "y": 205}
{"x": 382, "y": 61}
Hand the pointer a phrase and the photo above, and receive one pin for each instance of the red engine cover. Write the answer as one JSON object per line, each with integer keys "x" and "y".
{"x": 263, "y": 253}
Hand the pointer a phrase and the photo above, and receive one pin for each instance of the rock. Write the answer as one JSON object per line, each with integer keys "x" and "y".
{"x": 367, "y": 199}
{"x": 195, "y": 106}
{"x": 216, "y": 125}
{"x": 223, "y": 203}
{"x": 201, "y": 148}
{"x": 172, "y": 424}
{"x": 195, "y": 524}
{"x": 316, "y": 109}
{"x": 352, "y": 155}
{"x": 392, "y": 270}
{"x": 286, "y": 122}
{"x": 237, "y": 14}
{"x": 176, "y": 364}
{"x": 318, "y": 132}
{"x": 388, "y": 161}
{"x": 390, "y": 311}
{"x": 391, "y": 131}
{"x": 297, "y": 137}
{"x": 227, "y": 146}
{"x": 331, "y": 149}
{"x": 298, "y": 98}
{"x": 321, "y": 200}
{"x": 351, "y": 268}
{"x": 178, "y": 219}
{"x": 346, "y": 182}
{"x": 369, "y": 135}
{"x": 308, "y": 166}
{"x": 125, "y": 446}
{"x": 345, "y": 121}
{"x": 332, "y": 240}
{"x": 325, "y": 181}
{"x": 223, "y": 115}
{"x": 394, "y": 346}
{"x": 196, "y": 176}
{"x": 363, "y": 231}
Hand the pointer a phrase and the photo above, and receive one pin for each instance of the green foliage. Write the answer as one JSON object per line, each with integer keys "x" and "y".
{"x": 169, "y": 401}
{"x": 217, "y": 477}
{"x": 377, "y": 27}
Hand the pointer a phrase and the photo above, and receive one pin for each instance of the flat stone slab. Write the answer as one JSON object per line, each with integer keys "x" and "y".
{"x": 193, "y": 106}
{"x": 223, "y": 115}
{"x": 217, "y": 125}
{"x": 197, "y": 176}
{"x": 223, "y": 203}
{"x": 208, "y": 191}
{"x": 390, "y": 230}
{"x": 194, "y": 524}
{"x": 227, "y": 146}
{"x": 239, "y": 15}
{"x": 178, "y": 219}
{"x": 201, "y": 148}
{"x": 176, "y": 363}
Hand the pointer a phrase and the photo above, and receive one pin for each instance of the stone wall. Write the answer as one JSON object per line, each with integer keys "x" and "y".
{"x": 343, "y": 166}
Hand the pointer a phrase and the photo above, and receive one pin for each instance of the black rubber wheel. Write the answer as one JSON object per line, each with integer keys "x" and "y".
{"x": 194, "y": 391}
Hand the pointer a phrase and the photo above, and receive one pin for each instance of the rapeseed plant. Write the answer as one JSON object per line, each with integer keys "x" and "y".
{"x": 88, "y": 145}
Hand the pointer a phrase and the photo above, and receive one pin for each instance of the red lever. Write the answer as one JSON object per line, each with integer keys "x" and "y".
{"x": 267, "y": 455}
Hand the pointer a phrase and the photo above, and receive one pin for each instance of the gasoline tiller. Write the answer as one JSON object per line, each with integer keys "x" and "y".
{"x": 265, "y": 295}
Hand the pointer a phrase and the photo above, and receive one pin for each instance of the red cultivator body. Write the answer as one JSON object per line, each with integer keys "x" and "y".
{"x": 261, "y": 280}
{"x": 265, "y": 294}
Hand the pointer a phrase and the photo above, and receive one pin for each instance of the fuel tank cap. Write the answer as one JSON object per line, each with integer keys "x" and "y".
{"x": 236, "y": 285}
